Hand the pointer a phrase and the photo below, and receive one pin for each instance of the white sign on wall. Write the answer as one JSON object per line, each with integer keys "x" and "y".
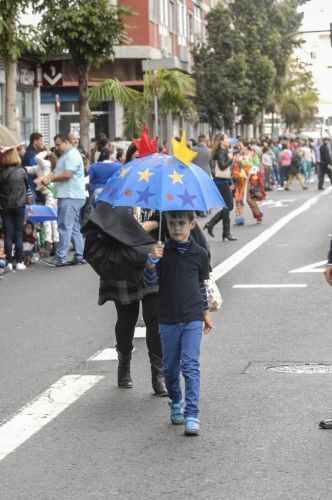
{"x": 75, "y": 127}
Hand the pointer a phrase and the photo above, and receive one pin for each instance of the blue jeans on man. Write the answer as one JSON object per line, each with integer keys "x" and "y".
{"x": 69, "y": 228}
{"x": 181, "y": 350}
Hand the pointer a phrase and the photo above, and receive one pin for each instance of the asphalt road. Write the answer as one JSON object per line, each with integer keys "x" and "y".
{"x": 259, "y": 434}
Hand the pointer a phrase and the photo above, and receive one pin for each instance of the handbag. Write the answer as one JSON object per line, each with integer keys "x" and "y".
{"x": 222, "y": 174}
{"x": 255, "y": 192}
{"x": 213, "y": 294}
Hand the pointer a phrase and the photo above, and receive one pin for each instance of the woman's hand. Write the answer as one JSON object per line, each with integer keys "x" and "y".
{"x": 149, "y": 225}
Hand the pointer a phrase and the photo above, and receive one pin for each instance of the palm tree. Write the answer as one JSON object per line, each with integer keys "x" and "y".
{"x": 174, "y": 90}
{"x": 298, "y": 97}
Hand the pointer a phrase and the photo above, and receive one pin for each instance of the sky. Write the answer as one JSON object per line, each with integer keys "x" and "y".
{"x": 317, "y": 15}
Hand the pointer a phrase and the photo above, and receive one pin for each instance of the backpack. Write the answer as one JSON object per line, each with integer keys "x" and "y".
{"x": 295, "y": 163}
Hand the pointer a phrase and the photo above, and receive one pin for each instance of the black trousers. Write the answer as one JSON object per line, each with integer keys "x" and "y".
{"x": 13, "y": 223}
{"x": 322, "y": 170}
{"x": 126, "y": 322}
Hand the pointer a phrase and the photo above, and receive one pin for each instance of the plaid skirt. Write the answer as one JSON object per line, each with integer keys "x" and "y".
{"x": 123, "y": 292}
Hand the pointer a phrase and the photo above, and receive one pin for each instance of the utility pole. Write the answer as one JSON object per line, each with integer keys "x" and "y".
{"x": 155, "y": 102}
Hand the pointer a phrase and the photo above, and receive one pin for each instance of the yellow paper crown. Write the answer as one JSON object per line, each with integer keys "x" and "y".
{"x": 181, "y": 150}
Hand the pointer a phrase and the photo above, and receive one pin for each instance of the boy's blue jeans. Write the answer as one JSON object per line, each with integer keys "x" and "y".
{"x": 181, "y": 350}
{"x": 69, "y": 227}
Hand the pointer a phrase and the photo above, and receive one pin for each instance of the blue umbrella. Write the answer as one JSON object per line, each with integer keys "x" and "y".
{"x": 40, "y": 213}
{"x": 162, "y": 183}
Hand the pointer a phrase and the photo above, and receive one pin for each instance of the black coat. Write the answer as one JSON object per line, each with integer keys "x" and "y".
{"x": 330, "y": 255}
{"x": 13, "y": 187}
{"x": 116, "y": 245}
{"x": 325, "y": 156}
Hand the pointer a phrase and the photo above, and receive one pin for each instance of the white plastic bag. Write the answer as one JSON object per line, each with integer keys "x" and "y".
{"x": 213, "y": 294}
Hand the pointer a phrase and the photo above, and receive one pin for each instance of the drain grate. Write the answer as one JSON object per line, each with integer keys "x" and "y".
{"x": 287, "y": 367}
{"x": 307, "y": 368}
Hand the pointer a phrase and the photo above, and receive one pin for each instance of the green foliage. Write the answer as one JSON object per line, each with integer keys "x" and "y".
{"x": 298, "y": 97}
{"x": 245, "y": 57}
{"x": 16, "y": 38}
{"x": 88, "y": 31}
{"x": 172, "y": 86}
{"x": 173, "y": 90}
{"x": 114, "y": 89}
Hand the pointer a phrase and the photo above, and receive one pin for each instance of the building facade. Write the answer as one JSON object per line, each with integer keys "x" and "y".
{"x": 27, "y": 97}
{"x": 161, "y": 33}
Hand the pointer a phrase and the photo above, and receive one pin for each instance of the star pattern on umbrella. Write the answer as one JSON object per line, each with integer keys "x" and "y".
{"x": 176, "y": 177}
{"x": 124, "y": 172}
{"x": 145, "y": 175}
{"x": 181, "y": 150}
{"x": 145, "y": 195}
{"x": 187, "y": 199}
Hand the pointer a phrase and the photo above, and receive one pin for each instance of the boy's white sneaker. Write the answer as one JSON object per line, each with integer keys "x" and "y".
{"x": 9, "y": 268}
{"x": 20, "y": 266}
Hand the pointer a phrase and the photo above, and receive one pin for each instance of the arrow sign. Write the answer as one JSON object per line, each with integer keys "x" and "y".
{"x": 277, "y": 203}
{"x": 50, "y": 80}
{"x": 312, "y": 268}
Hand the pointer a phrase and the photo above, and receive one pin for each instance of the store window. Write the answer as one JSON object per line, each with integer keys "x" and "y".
{"x": 24, "y": 113}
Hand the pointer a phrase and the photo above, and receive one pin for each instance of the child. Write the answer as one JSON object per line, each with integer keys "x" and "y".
{"x": 29, "y": 242}
{"x": 181, "y": 267}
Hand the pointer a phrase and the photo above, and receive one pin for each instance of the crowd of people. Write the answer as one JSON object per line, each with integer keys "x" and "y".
{"x": 133, "y": 269}
{"x": 244, "y": 172}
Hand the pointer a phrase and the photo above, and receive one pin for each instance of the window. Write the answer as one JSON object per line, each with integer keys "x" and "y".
{"x": 24, "y": 113}
{"x": 163, "y": 12}
{"x": 153, "y": 10}
{"x": 190, "y": 26}
{"x": 172, "y": 17}
{"x": 182, "y": 18}
{"x": 197, "y": 21}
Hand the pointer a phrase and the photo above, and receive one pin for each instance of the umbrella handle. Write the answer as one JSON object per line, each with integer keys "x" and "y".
{"x": 160, "y": 221}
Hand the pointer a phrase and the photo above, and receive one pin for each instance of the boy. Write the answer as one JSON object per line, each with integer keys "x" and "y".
{"x": 181, "y": 266}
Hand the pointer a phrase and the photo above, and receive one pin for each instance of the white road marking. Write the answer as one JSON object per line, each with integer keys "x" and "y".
{"x": 312, "y": 268}
{"x": 140, "y": 332}
{"x": 237, "y": 257}
{"x": 277, "y": 203}
{"x": 109, "y": 354}
{"x": 48, "y": 405}
{"x": 284, "y": 285}
{"x": 39, "y": 412}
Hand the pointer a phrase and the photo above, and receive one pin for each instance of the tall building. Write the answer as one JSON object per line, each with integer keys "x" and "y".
{"x": 161, "y": 34}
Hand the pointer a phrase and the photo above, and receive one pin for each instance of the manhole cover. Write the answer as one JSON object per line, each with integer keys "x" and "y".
{"x": 299, "y": 368}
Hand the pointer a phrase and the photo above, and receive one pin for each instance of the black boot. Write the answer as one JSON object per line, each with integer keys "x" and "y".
{"x": 226, "y": 233}
{"x": 157, "y": 376}
{"x": 124, "y": 378}
{"x": 212, "y": 222}
{"x": 54, "y": 248}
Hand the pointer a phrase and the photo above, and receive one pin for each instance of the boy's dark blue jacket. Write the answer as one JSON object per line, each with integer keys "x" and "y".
{"x": 180, "y": 275}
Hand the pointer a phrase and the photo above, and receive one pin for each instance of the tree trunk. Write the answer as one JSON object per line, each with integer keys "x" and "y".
{"x": 10, "y": 99}
{"x": 85, "y": 113}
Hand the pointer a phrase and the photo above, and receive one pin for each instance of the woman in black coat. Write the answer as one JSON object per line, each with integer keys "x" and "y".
{"x": 223, "y": 179}
{"x": 13, "y": 194}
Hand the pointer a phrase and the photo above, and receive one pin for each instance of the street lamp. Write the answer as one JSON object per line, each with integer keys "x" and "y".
{"x": 155, "y": 84}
